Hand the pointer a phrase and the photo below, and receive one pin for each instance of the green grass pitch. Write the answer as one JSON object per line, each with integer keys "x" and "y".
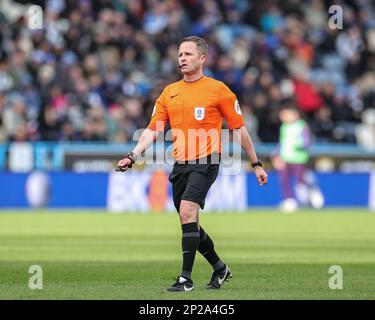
{"x": 97, "y": 255}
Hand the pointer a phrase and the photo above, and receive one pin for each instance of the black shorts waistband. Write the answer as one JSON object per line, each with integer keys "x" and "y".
{"x": 213, "y": 158}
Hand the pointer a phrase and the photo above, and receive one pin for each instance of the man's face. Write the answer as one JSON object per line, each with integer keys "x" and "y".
{"x": 288, "y": 116}
{"x": 190, "y": 59}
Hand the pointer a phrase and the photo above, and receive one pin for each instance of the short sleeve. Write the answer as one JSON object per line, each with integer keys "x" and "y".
{"x": 230, "y": 108}
{"x": 159, "y": 116}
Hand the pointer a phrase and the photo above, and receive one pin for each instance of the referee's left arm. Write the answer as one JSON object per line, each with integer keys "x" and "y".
{"x": 247, "y": 145}
{"x": 243, "y": 136}
{"x": 230, "y": 109}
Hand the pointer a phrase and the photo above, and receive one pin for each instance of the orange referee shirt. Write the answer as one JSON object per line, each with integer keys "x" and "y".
{"x": 195, "y": 111}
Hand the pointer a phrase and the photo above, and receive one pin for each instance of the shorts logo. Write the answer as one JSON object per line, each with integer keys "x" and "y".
{"x": 237, "y": 107}
{"x": 199, "y": 113}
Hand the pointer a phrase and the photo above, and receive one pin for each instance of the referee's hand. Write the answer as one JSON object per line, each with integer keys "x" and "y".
{"x": 261, "y": 175}
{"x": 123, "y": 165}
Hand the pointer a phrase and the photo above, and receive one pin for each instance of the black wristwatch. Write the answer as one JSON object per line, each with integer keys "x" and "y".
{"x": 132, "y": 157}
{"x": 256, "y": 164}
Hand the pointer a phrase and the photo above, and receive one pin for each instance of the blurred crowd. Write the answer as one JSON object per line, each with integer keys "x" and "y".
{"x": 95, "y": 70}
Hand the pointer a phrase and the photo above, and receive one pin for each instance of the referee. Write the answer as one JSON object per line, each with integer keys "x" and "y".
{"x": 194, "y": 105}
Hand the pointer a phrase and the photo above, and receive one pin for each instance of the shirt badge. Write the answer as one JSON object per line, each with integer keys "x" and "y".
{"x": 237, "y": 107}
{"x": 199, "y": 113}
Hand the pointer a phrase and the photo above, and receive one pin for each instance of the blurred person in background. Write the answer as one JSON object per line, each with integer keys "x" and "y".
{"x": 290, "y": 160}
{"x": 112, "y": 51}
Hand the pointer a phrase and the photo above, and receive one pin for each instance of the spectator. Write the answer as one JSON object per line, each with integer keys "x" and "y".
{"x": 290, "y": 160}
{"x": 111, "y": 56}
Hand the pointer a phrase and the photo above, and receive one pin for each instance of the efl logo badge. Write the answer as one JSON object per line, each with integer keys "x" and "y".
{"x": 237, "y": 107}
{"x": 199, "y": 113}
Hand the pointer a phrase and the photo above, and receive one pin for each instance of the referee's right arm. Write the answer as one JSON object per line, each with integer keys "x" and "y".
{"x": 157, "y": 124}
{"x": 147, "y": 138}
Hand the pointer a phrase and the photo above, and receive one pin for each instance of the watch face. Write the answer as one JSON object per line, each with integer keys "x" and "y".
{"x": 255, "y": 164}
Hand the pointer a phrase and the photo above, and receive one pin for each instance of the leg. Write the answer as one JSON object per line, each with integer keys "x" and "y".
{"x": 285, "y": 181}
{"x": 299, "y": 171}
{"x": 190, "y": 235}
{"x": 221, "y": 271}
{"x": 314, "y": 195}
{"x": 188, "y": 212}
{"x": 190, "y": 187}
{"x": 196, "y": 191}
{"x": 289, "y": 203}
{"x": 302, "y": 189}
{"x": 207, "y": 249}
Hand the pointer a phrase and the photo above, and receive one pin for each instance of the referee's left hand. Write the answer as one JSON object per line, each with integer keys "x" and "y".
{"x": 261, "y": 175}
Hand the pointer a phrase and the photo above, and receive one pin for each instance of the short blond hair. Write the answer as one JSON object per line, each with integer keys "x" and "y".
{"x": 200, "y": 42}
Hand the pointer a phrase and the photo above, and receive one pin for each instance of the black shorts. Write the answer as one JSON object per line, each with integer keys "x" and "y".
{"x": 192, "y": 181}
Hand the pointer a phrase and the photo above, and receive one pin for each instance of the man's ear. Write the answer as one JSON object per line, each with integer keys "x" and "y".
{"x": 203, "y": 58}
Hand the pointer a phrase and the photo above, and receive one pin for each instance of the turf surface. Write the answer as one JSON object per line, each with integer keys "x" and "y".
{"x": 96, "y": 255}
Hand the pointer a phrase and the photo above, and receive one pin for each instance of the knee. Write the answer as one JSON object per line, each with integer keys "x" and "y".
{"x": 188, "y": 212}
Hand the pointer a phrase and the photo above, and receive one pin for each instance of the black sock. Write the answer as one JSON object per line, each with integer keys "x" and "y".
{"x": 207, "y": 249}
{"x": 190, "y": 243}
